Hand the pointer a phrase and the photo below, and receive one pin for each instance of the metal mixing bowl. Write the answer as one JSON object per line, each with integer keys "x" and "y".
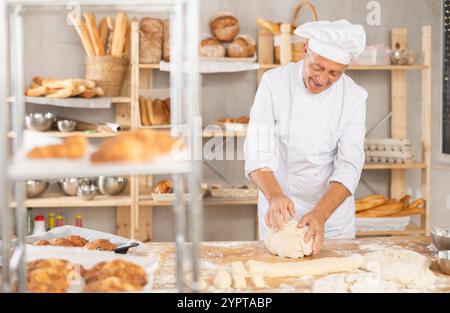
{"x": 39, "y": 121}
{"x": 110, "y": 185}
{"x": 69, "y": 185}
{"x": 86, "y": 191}
{"x": 441, "y": 237}
{"x": 35, "y": 188}
{"x": 66, "y": 126}
{"x": 443, "y": 259}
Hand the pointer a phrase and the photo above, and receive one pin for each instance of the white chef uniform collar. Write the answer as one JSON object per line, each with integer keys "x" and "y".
{"x": 338, "y": 41}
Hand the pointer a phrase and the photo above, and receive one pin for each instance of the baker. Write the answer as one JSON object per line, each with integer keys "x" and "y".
{"x": 304, "y": 147}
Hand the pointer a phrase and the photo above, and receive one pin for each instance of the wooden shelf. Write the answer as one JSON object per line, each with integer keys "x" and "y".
{"x": 58, "y": 200}
{"x": 59, "y": 134}
{"x": 146, "y": 200}
{"x": 367, "y": 67}
{"x": 394, "y": 166}
{"x": 411, "y": 230}
{"x": 113, "y": 100}
{"x": 223, "y": 133}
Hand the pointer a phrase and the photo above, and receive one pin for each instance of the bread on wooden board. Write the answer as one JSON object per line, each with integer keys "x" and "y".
{"x": 150, "y": 40}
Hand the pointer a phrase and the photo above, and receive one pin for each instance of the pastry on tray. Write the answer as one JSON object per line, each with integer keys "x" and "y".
{"x": 51, "y": 275}
{"x": 77, "y": 241}
{"x": 41, "y": 243}
{"x": 72, "y": 148}
{"x": 100, "y": 244}
{"x": 110, "y": 284}
{"x": 63, "y": 88}
{"x": 240, "y": 120}
{"x": 61, "y": 242}
{"x": 127, "y": 272}
{"x": 137, "y": 145}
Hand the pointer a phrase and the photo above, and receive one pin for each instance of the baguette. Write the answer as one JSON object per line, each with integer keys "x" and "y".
{"x": 127, "y": 47}
{"x": 94, "y": 34}
{"x": 110, "y": 22}
{"x": 36, "y": 92}
{"x": 405, "y": 200}
{"x": 59, "y": 83}
{"x": 104, "y": 32}
{"x": 90, "y": 84}
{"x": 78, "y": 90}
{"x": 83, "y": 33}
{"x": 382, "y": 210}
{"x": 409, "y": 211}
{"x": 120, "y": 29}
{"x": 33, "y": 84}
{"x": 143, "y": 111}
{"x": 88, "y": 93}
{"x": 274, "y": 28}
{"x": 38, "y": 80}
{"x": 100, "y": 92}
{"x": 419, "y": 203}
{"x": 60, "y": 93}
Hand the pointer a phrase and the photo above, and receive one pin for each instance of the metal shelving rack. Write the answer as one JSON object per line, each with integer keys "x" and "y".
{"x": 185, "y": 88}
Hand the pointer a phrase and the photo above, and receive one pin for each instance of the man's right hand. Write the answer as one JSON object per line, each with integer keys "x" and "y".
{"x": 281, "y": 208}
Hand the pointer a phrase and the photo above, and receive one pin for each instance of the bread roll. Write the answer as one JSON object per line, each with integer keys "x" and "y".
{"x": 212, "y": 48}
{"x": 150, "y": 40}
{"x": 242, "y": 47}
{"x": 224, "y": 26}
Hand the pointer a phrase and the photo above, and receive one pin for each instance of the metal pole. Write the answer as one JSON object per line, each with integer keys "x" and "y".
{"x": 176, "y": 90}
{"x": 195, "y": 210}
{"x": 4, "y": 156}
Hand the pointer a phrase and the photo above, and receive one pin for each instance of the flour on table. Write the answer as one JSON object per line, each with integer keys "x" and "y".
{"x": 356, "y": 283}
{"x": 288, "y": 242}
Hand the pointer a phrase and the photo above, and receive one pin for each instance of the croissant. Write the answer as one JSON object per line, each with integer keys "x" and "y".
{"x": 77, "y": 241}
{"x": 110, "y": 284}
{"x": 41, "y": 243}
{"x": 101, "y": 244}
{"x": 62, "y": 242}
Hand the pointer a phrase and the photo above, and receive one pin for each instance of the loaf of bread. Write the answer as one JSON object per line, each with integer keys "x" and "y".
{"x": 242, "y": 47}
{"x": 382, "y": 210}
{"x": 224, "y": 26}
{"x": 150, "y": 40}
{"x": 369, "y": 202}
{"x": 137, "y": 145}
{"x": 166, "y": 41}
{"x": 211, "y": 48}
{"x": 72, "y": 148}
{"x": 164, "y": 186}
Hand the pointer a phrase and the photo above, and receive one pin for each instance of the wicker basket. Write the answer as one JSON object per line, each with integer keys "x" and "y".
{"x": 298, "y": 44}
{"x": 107, "y": 72}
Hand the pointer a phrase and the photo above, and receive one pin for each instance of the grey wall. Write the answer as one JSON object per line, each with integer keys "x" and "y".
{"x": 53, "y": 48}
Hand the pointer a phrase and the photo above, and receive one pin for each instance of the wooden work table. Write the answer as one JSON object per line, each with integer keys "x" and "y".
{"x": 219, "y": 255}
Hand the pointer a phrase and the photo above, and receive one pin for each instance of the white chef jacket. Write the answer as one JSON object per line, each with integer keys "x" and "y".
{"x": 308, "y": 140}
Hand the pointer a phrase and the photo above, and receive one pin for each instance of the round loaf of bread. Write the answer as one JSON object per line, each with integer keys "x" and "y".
{"x": 224, "y": 26}
{"x": 242, "y": 47}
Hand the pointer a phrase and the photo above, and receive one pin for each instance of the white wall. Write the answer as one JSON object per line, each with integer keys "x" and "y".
{"x": 53, "y": 48}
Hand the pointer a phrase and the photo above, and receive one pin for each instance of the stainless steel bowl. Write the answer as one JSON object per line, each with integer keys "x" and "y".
{"x": 441, "y": 237}
{"x": 443, "y": 259}
{"x": 66, "y": 126}
{"x": 39, "y": 121}
{"x": 86, "y": 191}
{"x": 69, "y": 185}
{"x": 35, "y": 188}
{"x": 110, "y": 185}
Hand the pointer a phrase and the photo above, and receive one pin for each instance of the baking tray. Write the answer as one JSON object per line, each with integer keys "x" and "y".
{"x": 89, "y": 234}
{"x": 234, "y": 192}
{"x": 367, "y": 224}
{"x": 88, "y": 258}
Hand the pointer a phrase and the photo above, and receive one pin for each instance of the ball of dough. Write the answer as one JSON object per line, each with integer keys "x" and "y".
{"x": 288, "y": 242}
{"x": 222, "y": 280}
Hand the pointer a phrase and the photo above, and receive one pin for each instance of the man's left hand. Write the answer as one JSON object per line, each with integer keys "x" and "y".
{"x": 316, "y": 225}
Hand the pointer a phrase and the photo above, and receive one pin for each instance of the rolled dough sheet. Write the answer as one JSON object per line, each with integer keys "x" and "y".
{"x": 321, "y": 266}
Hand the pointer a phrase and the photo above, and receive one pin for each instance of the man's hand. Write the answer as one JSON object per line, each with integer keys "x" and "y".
{"x": 280, "y": 208}
{"x": 316, "y": 225}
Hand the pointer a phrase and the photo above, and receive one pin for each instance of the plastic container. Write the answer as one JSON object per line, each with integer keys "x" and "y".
{"x": 39, "y": 224}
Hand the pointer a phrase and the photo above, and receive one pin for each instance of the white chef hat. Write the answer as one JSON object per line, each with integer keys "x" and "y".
{"x": 338, "y": 41}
